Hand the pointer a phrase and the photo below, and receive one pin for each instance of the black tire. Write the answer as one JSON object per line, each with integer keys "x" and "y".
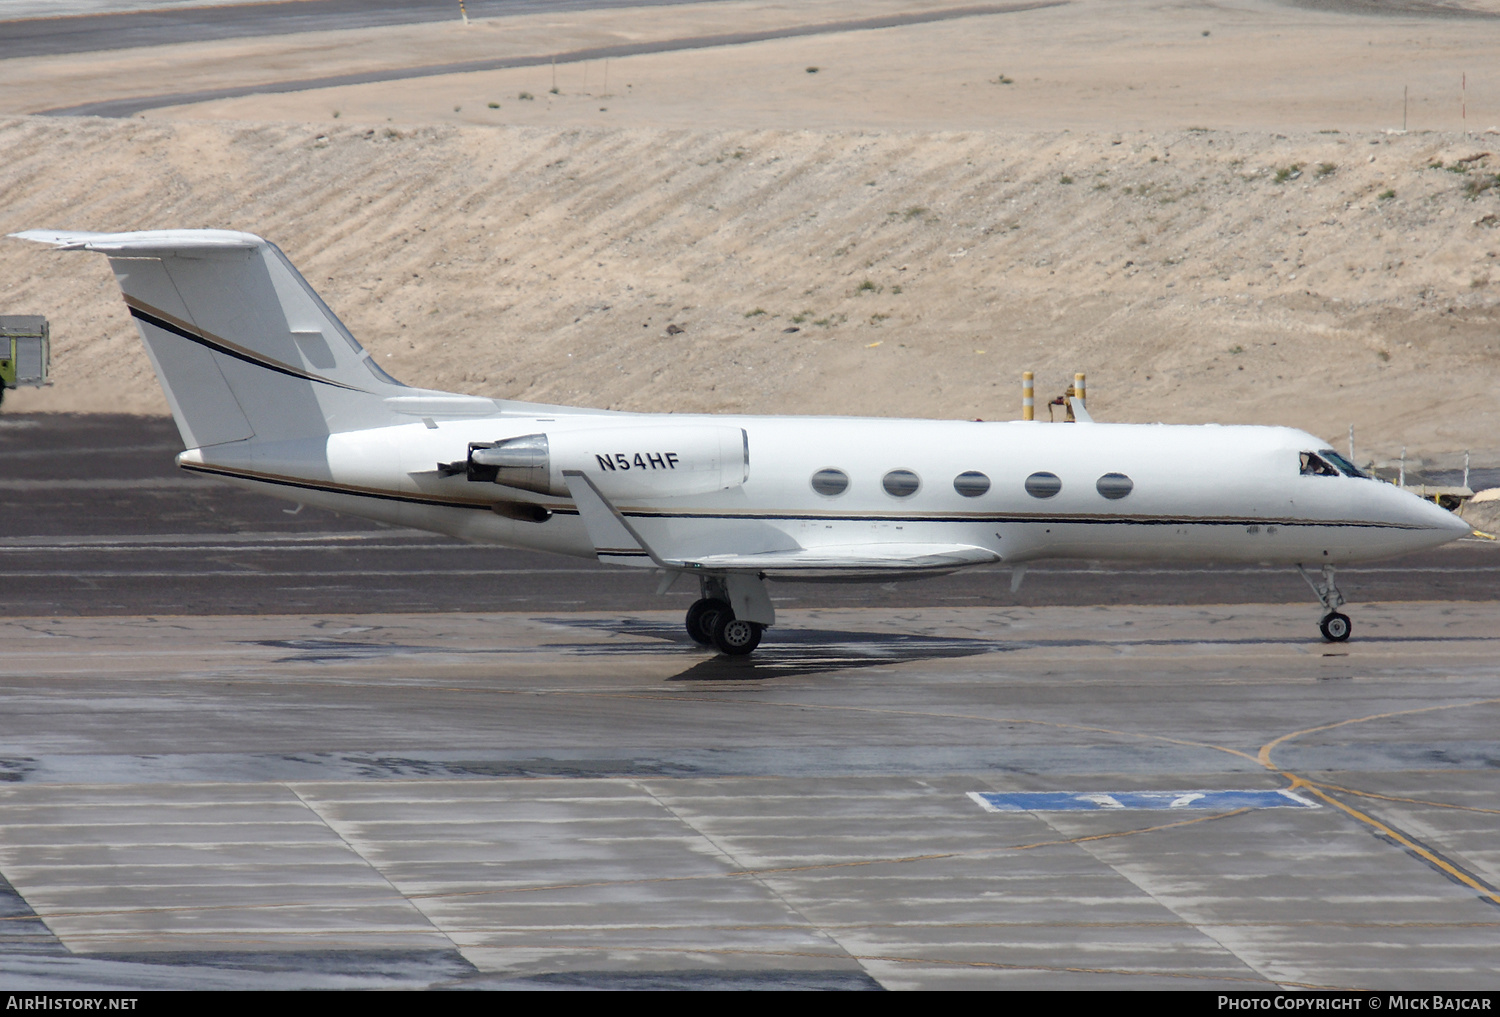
{"x": 1335, "y": 627}
{"x": 700, "y": 619}
{"x": 735, "y": 636}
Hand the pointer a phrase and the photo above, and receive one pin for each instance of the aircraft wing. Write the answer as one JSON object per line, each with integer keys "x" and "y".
{"x": 617, "y": 542}
{"x": 848, "y": 560}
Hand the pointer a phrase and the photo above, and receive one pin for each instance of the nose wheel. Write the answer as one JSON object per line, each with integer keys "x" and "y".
{"x": 1334, "y": 626}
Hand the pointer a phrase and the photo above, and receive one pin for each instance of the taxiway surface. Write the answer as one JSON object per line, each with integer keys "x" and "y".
{"x": 87, "y": 32}
{"x": 226, "y": 763}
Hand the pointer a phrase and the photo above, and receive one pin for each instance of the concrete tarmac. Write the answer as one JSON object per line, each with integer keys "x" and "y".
{"x": 587, "y": 799}
{"x": 245, "y": 749}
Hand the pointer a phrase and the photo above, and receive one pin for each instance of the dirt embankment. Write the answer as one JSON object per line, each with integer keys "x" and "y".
{"x": 1316, "y": 279}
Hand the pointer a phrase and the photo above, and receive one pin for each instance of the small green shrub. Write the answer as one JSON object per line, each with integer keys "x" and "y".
{"x": 527, "y": 96}
{"x": 1326, "y": 169}
{"x": 1387, "y": 195}
{"x": 1478, "y": 185}
{"x": 755, "y": 313}
{"x": 866, "y": 287}
{"x": 1065, "y": 179}
{"x": 494, "y": 105}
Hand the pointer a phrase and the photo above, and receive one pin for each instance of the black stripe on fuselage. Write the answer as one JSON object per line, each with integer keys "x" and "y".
{"x": 1023, "y": 518}
{"x": 217, "y": 347}
{"x": 441, "y": 502}
{"x": 311, "y": 485}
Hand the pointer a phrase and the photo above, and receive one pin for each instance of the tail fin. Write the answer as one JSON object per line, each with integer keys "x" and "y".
{"x": 242, "y": 345}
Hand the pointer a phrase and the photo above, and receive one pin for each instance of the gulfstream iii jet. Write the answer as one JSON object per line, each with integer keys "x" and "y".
{"x": 272, "y": 393}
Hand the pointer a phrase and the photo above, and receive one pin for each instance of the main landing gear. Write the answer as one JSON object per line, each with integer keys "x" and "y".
{"x": 711, "y": 622}
{"x": 732, "y": 613}
{"x": 1334, "y": 626}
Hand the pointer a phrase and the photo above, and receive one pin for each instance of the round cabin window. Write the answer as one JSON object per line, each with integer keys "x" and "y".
{"x": 1043, "y": 485}
{"x": 900, "y": 483}
{"x": 830, "y": 482}
{"x": 971, "y": 484}
{"x": 1115, "y": 486}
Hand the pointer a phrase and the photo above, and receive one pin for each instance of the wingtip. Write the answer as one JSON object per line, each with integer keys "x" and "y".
{"x": 141, "y": 240}
{"x": 55, "y": 238}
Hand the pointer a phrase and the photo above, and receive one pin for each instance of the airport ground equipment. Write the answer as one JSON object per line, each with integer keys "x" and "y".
{"x": 25, "y": 351}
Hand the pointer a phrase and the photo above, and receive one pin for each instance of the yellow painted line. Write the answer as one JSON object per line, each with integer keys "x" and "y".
{"x": 1264, "y": 756}
{"x": 1420, "y": 850}
{"x": 1397, "y": 798}
{"x": 1406, "y": 842}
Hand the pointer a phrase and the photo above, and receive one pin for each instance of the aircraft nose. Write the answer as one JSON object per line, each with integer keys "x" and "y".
{"x": 1457, "y": 526}
{"x": 1440, "y": 519}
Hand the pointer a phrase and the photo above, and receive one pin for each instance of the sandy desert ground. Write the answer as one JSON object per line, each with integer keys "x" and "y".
{"x": 1199, "y": 204}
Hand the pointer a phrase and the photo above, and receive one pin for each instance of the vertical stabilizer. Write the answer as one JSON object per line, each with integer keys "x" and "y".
{"x": 241, "y": 343}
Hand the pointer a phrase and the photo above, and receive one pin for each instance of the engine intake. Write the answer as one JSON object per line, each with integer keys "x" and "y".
{"x": 523, "y": 462}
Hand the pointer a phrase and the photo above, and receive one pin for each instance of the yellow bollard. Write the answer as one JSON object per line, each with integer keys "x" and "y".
{"x": 1078, "y": 389}
{"x": 1028, "y": 396}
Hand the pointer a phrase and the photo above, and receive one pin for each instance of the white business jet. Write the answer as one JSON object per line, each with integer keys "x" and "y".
{"x": 272, "y": 393}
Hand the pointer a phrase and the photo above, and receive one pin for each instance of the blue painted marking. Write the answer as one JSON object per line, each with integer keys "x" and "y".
{"x": 1112, "y": 801}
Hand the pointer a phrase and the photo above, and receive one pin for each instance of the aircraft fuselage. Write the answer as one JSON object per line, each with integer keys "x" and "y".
{"x": 1194, "y": 492}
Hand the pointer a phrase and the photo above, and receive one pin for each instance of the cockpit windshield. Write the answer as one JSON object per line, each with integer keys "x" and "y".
{"x": 1327, "y": 463}
{"x": 1347, "y": 468}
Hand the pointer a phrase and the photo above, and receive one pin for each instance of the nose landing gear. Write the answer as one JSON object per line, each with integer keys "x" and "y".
{"x": 1334, "y": 626}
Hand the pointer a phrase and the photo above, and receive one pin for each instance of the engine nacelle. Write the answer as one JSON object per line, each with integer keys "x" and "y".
{"x": 623, "y": 462}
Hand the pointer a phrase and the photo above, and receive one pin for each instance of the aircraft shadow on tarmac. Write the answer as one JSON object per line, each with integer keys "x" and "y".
{"x": 793, "y": 652}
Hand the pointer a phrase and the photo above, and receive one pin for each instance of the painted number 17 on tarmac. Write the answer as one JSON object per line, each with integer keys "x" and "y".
{"x": 1110, "y": 801}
